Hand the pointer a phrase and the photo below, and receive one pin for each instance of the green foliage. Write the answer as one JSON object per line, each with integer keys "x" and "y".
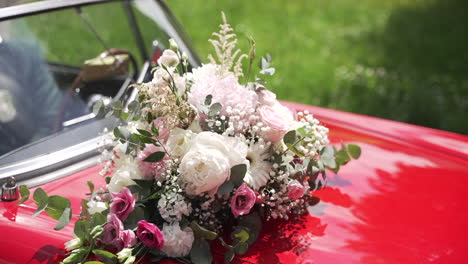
{"x": 155, "y": 157}
{"x": 236, "y": 179}
{"x": 202, "y": 232}
{"x": 24, "y": 192}
{"x": 105, "y": 256}
{"x": 392, "y": 59}
{"x": 56, "y": 206}
{"x": 201, "y": 252}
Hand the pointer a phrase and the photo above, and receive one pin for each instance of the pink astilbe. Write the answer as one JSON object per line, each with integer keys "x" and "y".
{"x": 235, "y": 99}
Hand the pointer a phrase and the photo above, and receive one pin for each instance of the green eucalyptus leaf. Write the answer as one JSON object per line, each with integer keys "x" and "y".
{"x": 264, "y": 64}
{"x": 91, "y": 186}
{"x": 327, "y": 156}
{"x": 253, "y": 222}
{"x": 40, "y": 197}
{"x": 241, "y": 234}
{"x": 208, "y": 99}
{"x": 342, "y": 157}
{"x": 290, "y": 137}
{"x": 214, "y": 109}
{"x": 241, "y": 248}
{"x": 301, "y": 131}
{"x": 237, "y": 174}
{"x": 134, "y": 217}
{"x": 39, "y": 209}
{"x": 81, "y": 229}
{"x": 98, "y": 108}
{"x": 268, "y": 71}
{"x": 97, "y": 219}
{"x": 57, "y": 204}
{"x": 93, "y": 262}
{"x": 155, "y": 157}
{"x": 24, "y": 191}
{"x": 64, "y": 219}
{"x": 202, "y": 232}
{"x": 105, "y": 256}
{"x": 134, "y": 106}
{"x": 354, "y": 151}
{"x": 229, "y": 256}
{"x": 201, "y": 252}
{"x": 225, "y": 188}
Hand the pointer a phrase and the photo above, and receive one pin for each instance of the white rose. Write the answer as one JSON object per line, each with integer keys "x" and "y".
{"x": 73, "y": 244}
{"x": 208, "y": 162}
{"x": 179, "y": 142}
{"x": 124, "y": 176}
{"x": 169, "y": 58}
{"x": 96, "y": 207}
{"x": 177, "y": 242}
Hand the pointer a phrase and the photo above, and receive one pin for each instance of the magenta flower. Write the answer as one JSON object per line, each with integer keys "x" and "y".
{"x": 112, "y": 231}
{"x": 243, "y": 200}
{"x": 128, "y": 239}
{"x": 123, "y": 203}
{"x": 150, "y": 235}
{"x": 295, "y": 190}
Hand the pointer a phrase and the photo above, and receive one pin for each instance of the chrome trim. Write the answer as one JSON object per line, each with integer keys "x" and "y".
{"x": 140, "y": 79}
{"x": 57, "y": 174}
{"x": 22, "y": 170}
{"x": 44, "y": 6}
{"x": 77, "y": 120}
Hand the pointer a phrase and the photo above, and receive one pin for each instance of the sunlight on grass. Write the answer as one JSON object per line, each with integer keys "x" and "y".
{"x": 403, "y": 60}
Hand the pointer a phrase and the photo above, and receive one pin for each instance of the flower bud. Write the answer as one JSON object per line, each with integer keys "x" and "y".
{"x": 124, "y": 254}
{"x": 169, "y": 59}
{"x": 173, "y": 45}
{"x": 73, "y": 244}
{"x": 96, "y": 232}
{"x": 184, "y": 56}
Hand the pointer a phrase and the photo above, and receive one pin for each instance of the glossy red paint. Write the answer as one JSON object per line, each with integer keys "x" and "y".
{"x": 401, "y": 202}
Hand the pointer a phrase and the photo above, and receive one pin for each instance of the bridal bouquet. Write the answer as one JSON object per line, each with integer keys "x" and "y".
{"x": 205, "y": 156}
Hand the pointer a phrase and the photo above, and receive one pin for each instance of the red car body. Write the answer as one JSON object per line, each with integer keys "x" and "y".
{"x": 401, "y": 202}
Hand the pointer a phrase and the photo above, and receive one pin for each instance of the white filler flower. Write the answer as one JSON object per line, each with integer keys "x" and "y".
{"x": 177, "y": 242}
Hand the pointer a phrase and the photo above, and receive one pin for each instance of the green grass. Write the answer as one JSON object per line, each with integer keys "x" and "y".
{"x": 402, "y": 60}
{"x": 405, "y": 60}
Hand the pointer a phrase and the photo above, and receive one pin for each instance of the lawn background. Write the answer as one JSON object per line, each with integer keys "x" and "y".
{"x": 402, "y": 60}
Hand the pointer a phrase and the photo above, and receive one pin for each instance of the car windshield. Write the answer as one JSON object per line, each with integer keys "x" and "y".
{"x": 52, "y": 68}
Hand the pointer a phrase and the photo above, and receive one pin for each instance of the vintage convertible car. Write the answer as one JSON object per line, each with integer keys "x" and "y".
{"x": 401, "y": 202}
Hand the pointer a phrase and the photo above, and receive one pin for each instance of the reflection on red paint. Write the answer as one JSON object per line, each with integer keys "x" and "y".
{"x": 9, "y": 210}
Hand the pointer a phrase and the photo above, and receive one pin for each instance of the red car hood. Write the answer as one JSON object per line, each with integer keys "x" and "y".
{"x": 401, "y": 202}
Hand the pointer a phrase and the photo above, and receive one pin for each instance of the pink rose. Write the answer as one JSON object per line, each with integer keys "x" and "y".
{"x": 150, "y": 235}
{"x": 152, "y": 170}
{"x": 112, "y": 231}
{"x": 128, "y": 239}
{"x": 295, "y": 190}
{"x": 243, "y": 200}
{"x": 278, "y": 118}
{"x": 123, "y": 203}
{"x": 266, "y": 97}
